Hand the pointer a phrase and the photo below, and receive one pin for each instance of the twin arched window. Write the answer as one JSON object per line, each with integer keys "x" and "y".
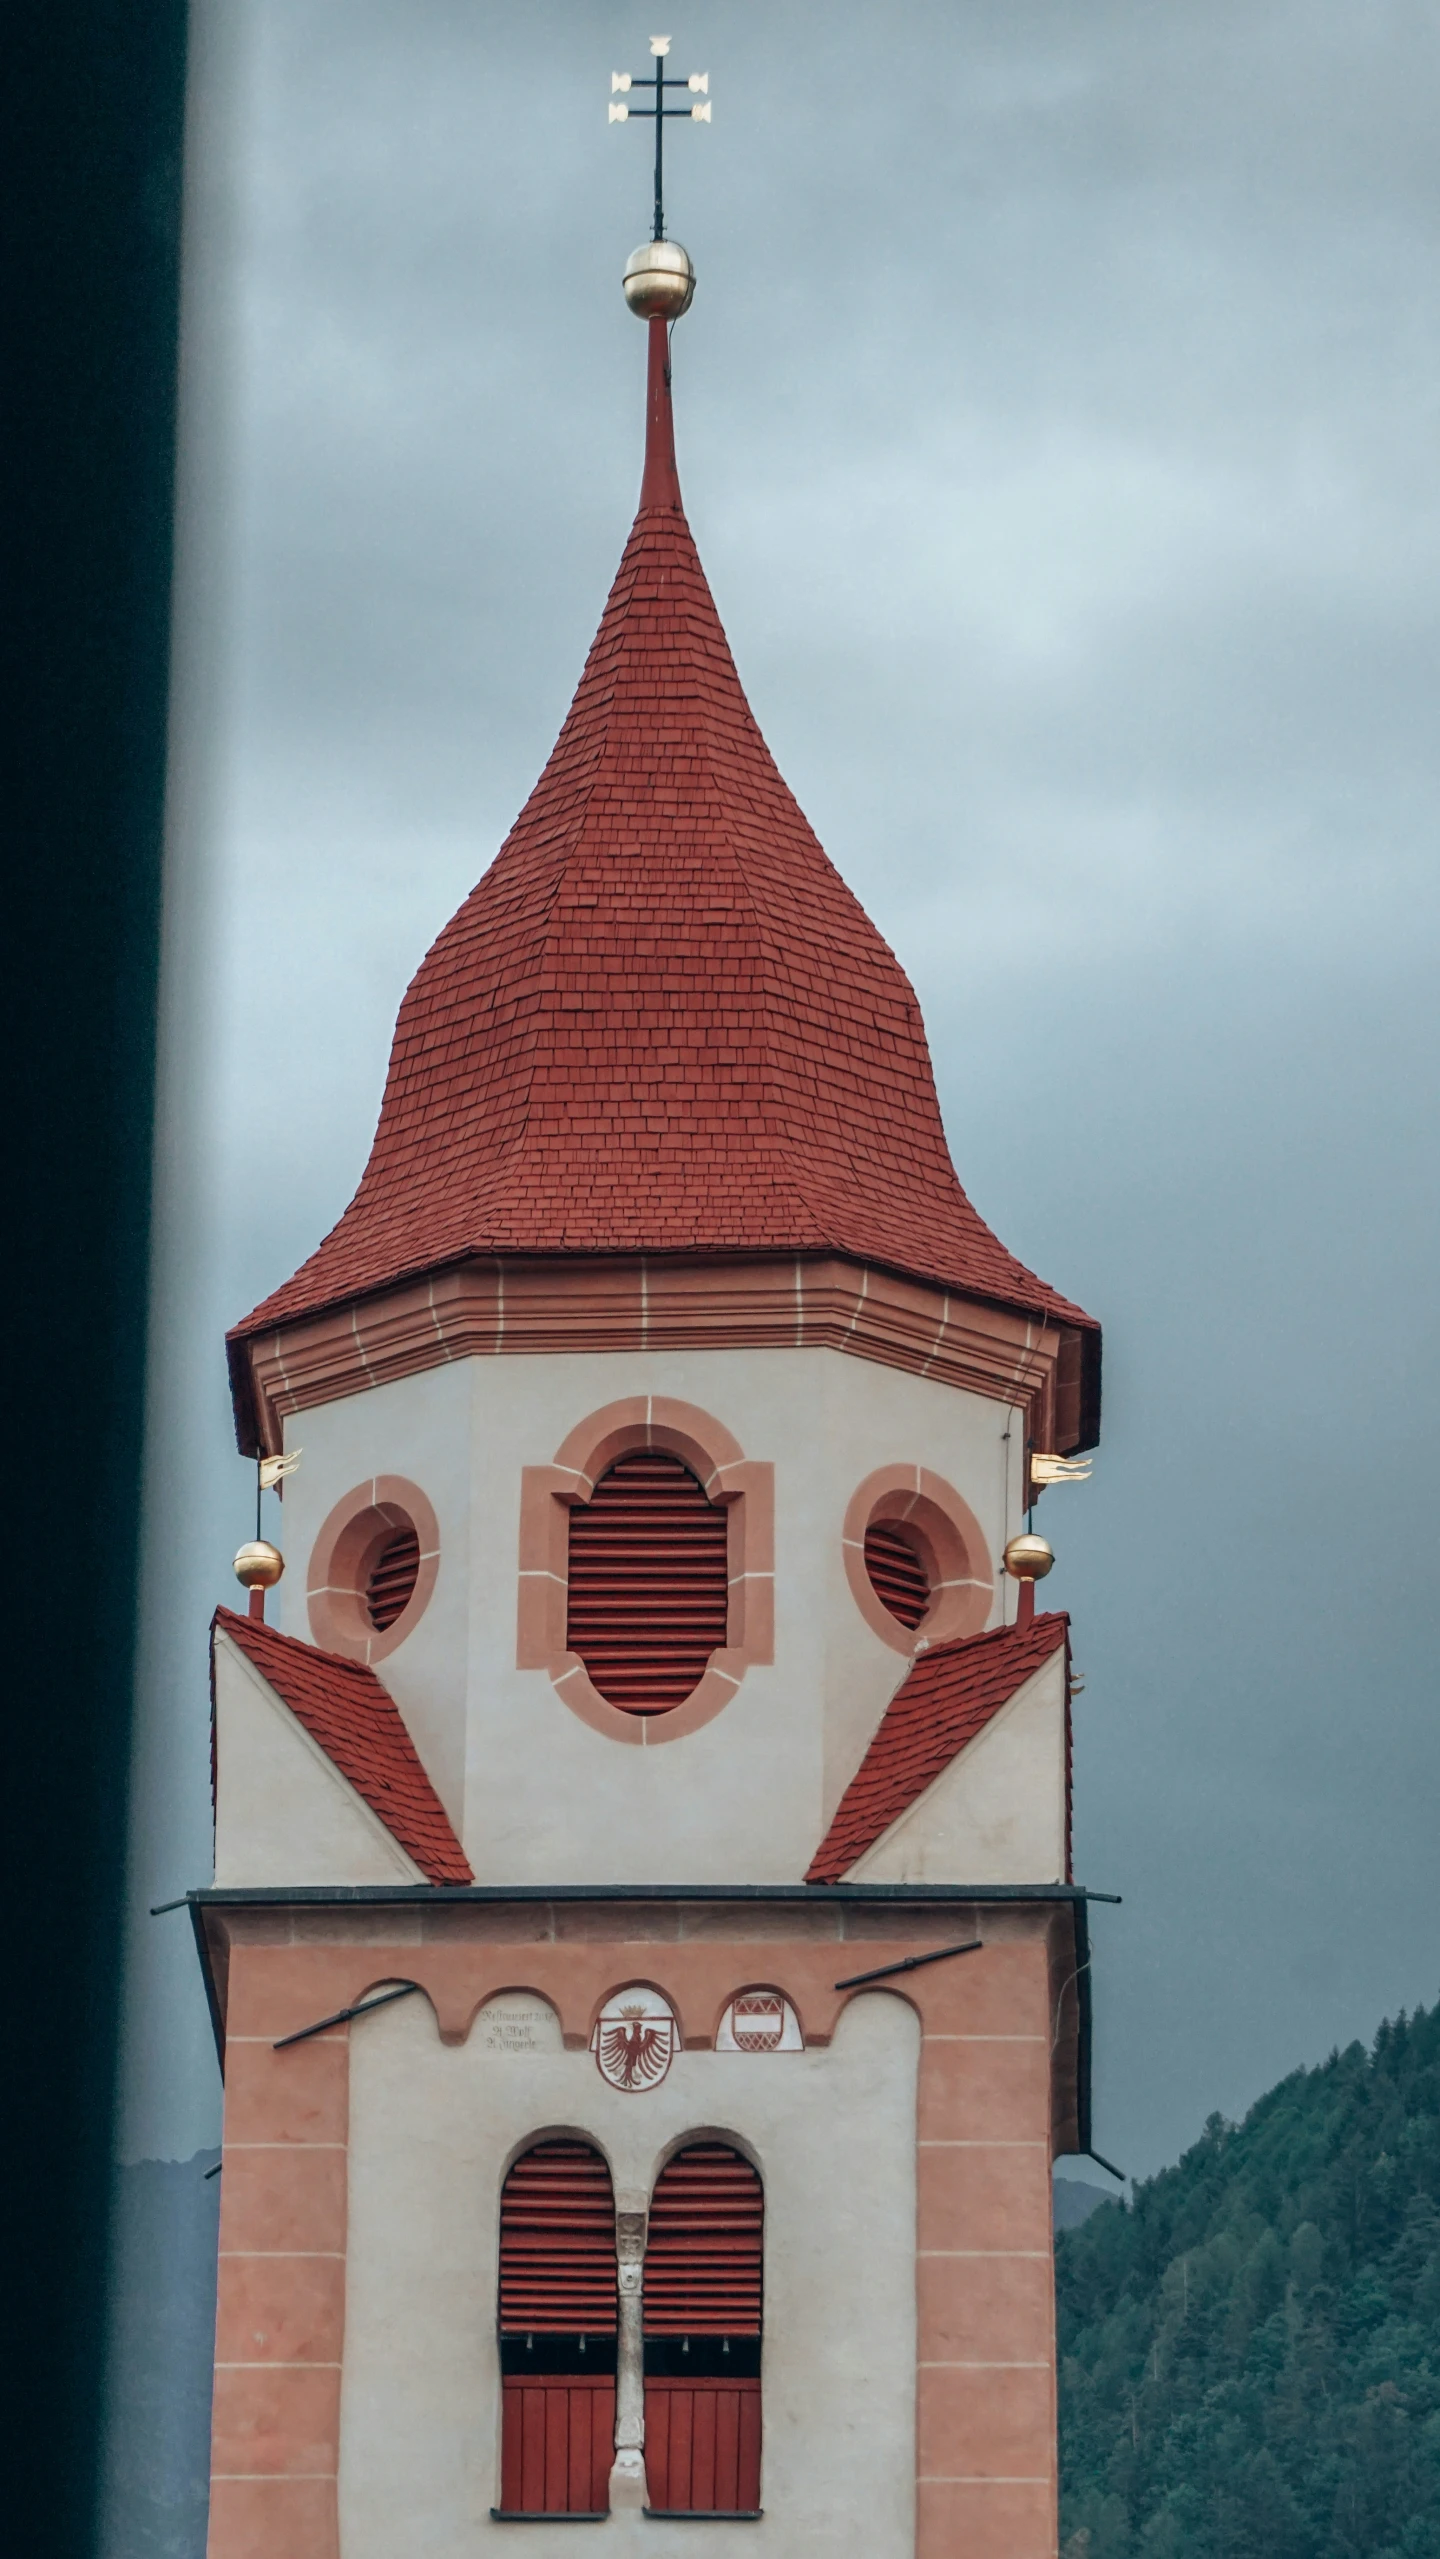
{"x": 704, "y": 2278}
{"x": 557, "y": 2331}
{"x": 703, "y": 2303}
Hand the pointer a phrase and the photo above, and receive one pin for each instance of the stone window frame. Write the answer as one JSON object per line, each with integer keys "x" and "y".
{"x": 343, "y": 1556}
{"x": 952, "y": 1544}
{"x": 745, "y": 1487}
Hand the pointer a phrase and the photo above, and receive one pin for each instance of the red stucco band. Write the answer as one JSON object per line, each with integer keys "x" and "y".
{"x": 997, "y": 2095}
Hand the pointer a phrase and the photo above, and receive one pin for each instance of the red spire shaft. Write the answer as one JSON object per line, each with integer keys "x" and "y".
{"x": 660, "y": 486}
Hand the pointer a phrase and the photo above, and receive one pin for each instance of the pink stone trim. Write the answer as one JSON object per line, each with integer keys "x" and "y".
{"x": 949, "y": 1537}
{"x": 745, "y": 1486}
{"x": 344, "y": 1555}
{"x": 995, "y": 2076}
{"x": 486, "y": 1309}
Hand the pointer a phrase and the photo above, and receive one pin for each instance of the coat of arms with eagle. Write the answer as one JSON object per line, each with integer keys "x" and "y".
{"x": 635, "y": 2039}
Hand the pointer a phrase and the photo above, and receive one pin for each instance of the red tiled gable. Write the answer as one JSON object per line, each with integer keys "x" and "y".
{"x": 356, "y": 1722}
{"x": 948, "y": 1697}
{"x": 661, "y": 1023}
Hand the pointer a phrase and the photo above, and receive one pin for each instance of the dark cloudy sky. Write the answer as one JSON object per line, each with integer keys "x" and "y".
{"x": 1060, "y": 424}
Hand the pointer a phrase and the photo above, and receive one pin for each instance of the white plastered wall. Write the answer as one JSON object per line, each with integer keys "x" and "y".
{"x": 432, "y": 2131}
{"x": 537, "y": 1795}
{"x": 283, "y": 1812}
{"x": 420, "y": 1428}
{"x": 997, "y": 1814}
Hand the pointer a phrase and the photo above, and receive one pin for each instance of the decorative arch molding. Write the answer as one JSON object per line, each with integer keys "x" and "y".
{"x": 951, "y": 1543}
{"x": 344, "y": 1554}
{"x": 743, "y": 1487}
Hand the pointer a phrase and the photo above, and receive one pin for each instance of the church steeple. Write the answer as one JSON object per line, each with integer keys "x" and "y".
{"x": 643, "y": 1893}
{"x": 661, "y": 1023}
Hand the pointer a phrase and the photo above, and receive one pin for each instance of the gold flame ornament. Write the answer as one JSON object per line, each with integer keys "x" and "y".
{"x": 1059, "y": 1470}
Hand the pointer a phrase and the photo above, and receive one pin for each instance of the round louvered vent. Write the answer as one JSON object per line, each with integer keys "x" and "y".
{"x": 649, "y": 1582}
{"x": 898, "y": 1574}
{"x": 393, "y": 1575}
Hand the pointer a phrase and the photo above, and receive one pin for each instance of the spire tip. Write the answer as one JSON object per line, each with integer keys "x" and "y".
{"x": 660, "y": 486}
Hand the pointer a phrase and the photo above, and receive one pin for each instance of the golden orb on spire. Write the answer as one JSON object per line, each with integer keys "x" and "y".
{"x": 659, "y": 280}
{"x": 1028, "y": 1558}
{"x": 259, "y": 1565}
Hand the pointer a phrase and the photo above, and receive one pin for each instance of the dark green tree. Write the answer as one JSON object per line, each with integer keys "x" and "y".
{"x": 1250, "y": 2348}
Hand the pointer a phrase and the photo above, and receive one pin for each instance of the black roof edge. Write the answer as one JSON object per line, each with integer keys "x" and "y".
{"x": 1091, "y": 1363}
{"x": 1083, "y": 2025}
{"x": 207, "y": 1975}
{"x": 241, "y": 1896}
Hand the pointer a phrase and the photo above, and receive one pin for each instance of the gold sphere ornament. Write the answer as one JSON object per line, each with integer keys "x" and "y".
{"x": 1028, "y": 1558}
{"x": 659, "y": 280}
{"x": 259, "y": 1565}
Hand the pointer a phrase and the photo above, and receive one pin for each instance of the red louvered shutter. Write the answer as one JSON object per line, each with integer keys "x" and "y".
{"x": 704, "y": 2279}
{"x": 393, "y": 1576}
{"x": 897, "y": 1575}
{"x": 557, "y": 2331}
{"x": 649, "y": 1582}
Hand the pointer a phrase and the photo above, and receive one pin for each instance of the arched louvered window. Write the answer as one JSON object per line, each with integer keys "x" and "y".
{"x": 704, "y": 2275}
{"x": 898, "y": 1574}
{"x": 557, "y": 2331}
{"x": 649, "y": 1582}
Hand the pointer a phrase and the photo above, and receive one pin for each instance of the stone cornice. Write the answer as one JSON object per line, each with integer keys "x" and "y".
{"x": 485, "y": 1308}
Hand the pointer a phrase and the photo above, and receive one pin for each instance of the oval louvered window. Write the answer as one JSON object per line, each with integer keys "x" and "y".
{"x": 898, "y": 1574}
{"x": 649, "y": 1582}
{"x": 704, "y": 2275}
{"x": 390, "y": 1586}
{"x": 557, "y": 2331}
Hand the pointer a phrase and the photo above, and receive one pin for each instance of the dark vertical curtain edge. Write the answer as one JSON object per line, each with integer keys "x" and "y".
{"x": 93, "y": 116}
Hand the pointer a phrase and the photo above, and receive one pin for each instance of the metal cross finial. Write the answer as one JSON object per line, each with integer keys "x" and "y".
{"x": 698, "y": 85}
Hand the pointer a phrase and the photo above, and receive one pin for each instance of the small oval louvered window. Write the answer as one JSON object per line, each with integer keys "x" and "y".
{"x": 649, "y": 1582}
{"x": 704, "y": 2275}
{"x": 898, "y": 1573}
{"x": 557, "y": 2331}
{"x": 392, "y": 1578}
{"x": 373, "y": 1568}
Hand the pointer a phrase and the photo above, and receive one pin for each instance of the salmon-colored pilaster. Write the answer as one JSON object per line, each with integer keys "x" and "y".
{"x": 280, "y": 2318}
{"x": 985, "y": 2377}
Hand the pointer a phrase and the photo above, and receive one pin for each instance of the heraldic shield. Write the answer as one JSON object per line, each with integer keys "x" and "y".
{"x": 635, "y": 2039}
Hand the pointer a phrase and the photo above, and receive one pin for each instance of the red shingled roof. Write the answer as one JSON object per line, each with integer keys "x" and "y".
{"x": 355, "y": 1720}
{"x": 949, "y": 1696}
{"x": 661, "y": 1023}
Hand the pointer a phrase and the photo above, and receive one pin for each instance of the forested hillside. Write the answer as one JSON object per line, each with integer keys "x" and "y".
{"x": 1250, "y": 2350}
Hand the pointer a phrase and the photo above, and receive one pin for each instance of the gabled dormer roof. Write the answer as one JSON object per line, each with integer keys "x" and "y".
{"x": 946, "y": 1700}
{"x": 355, "y": 1721}
{"x": 661, "y": 1023}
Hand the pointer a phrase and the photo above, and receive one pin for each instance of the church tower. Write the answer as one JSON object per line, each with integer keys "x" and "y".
{"x": 648, "y": 1975}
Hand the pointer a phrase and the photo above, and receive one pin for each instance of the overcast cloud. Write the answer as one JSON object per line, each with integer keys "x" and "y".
{"x": 1058, "y": 422}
